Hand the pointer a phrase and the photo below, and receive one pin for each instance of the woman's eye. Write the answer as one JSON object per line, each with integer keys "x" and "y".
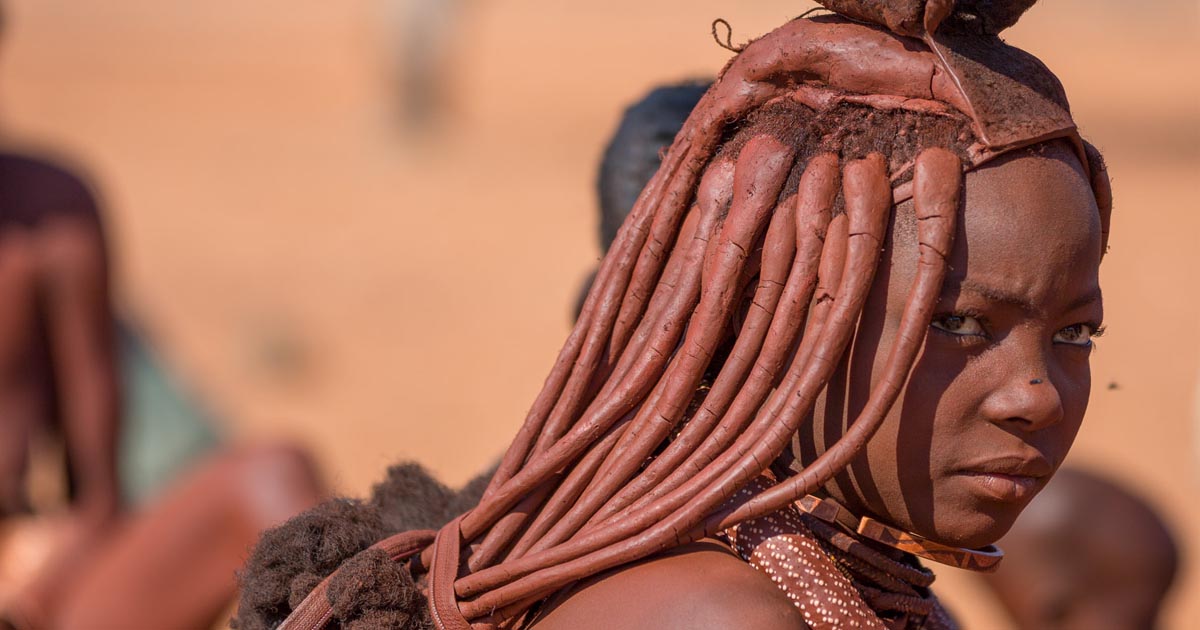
{"x": 1076, "y": 335}
{"x": 962, "y": 325}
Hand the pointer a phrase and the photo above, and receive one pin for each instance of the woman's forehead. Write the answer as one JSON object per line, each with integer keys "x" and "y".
{"x": 1029, "y": 227}
{"x": 1034, "y": 197}
{"x": 1037, "y": 187}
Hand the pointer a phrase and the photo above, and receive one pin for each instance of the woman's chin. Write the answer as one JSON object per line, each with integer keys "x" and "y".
{"x": 973, "y": 529}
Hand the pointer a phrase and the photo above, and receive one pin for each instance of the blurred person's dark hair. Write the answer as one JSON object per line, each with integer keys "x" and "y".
{"x": 1086, "y": 553}
{"x": 634, "y": 152}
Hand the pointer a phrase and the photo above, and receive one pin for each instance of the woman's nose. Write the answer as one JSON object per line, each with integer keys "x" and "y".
{"x": 1027, "y": 399}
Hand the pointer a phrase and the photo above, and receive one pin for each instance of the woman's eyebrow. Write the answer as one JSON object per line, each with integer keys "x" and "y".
{"x": 1090, "y": 297}
{"x": 998, "y": 295}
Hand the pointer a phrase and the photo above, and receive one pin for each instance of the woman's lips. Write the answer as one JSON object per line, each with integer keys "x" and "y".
{"x": 1003, "y": 486}
{"x": 1014, "y": 478}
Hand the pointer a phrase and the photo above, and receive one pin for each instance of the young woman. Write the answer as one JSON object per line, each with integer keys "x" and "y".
{"x": 846, "y": 324}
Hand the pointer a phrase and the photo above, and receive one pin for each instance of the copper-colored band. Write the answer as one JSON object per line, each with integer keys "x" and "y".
{"x": 982, "y": 560}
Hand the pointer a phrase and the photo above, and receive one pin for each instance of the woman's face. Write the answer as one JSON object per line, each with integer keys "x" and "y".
{"x": 1001, "y": 385}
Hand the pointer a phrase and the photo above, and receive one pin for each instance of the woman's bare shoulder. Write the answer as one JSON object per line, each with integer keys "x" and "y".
{"x": 700, "y": 586}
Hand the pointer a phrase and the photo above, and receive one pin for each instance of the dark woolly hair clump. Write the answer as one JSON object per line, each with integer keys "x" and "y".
{"x": 371, "y": 592}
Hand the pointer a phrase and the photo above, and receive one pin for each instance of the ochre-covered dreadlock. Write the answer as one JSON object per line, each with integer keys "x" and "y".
{"x": 766, "y": 220}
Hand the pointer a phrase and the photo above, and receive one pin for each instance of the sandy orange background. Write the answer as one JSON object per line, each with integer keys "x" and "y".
{"x": 316, "y": 271}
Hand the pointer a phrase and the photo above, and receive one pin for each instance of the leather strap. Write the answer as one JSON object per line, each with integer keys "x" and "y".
{"x": 443, "y": 604}
{"x": 315, "y": 611}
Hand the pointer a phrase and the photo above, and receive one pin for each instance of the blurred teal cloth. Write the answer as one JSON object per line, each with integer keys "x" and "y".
{"x": 164, "y": 429}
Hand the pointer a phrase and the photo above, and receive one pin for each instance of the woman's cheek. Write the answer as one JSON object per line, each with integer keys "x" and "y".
{"x": 1074, "y": 382}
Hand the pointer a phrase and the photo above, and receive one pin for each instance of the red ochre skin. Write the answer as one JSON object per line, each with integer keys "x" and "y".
{"x": 971, "y": 440}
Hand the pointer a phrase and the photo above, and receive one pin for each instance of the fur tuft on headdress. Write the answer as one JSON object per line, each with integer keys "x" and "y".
{"x": 915, "y": 18}
{"x": 994, "y": 15}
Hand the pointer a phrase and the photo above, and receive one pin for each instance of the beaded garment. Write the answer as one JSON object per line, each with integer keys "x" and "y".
{"x": 835, "y": 579}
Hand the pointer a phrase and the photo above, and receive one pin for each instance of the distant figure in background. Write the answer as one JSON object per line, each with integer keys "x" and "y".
{"x": 425, "y": 39}
{"x": 634, "y": 152}
{"x": 101, "y": 565}
{"x": 58, "y": 369}
{"x": 57, "y": 363}
{"x": 1086, "y": 554}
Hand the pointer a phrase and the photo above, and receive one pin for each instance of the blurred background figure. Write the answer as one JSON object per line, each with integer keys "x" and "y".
{"x": 1086, "y": 555}
{"x": 58, "y": 367}
{"x": 633, "y": 154}
{"x": 634, "y": 151}
{"x": 77, "y": 547}
{"x": 76, "y": 555}
{"x": 428, "y": 34}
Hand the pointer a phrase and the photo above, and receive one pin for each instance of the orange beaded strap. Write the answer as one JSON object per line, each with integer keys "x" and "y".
{"x": 983, "y": 560}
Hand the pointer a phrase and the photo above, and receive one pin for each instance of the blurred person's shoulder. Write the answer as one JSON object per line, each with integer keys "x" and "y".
{"x": 36, "y": 189}
{"x": 699, "y": 586}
